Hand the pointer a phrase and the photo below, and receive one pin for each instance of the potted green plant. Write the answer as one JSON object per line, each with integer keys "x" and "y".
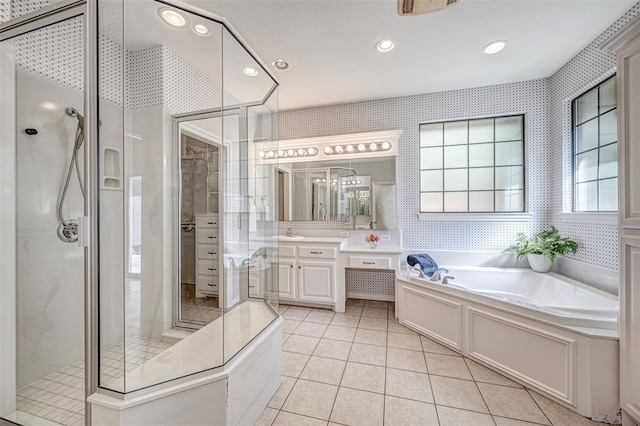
{"x": 542, "y": 249}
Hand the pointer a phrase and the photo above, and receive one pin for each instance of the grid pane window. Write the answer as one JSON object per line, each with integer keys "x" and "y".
{"x": 473, "y": 165}
{"x": 595, "y": 149}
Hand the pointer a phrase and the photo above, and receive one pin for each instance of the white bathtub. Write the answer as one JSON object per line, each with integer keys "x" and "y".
{"x": 550, "y": 296}
{"x": 546, "y": 331}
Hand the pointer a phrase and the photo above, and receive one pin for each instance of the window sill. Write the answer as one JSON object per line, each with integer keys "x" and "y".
{"x": 476, "y": 217}
{"x": 594, "y": 218}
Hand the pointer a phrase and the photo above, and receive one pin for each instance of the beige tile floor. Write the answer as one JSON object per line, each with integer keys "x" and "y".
{"x": 363, "y": 368}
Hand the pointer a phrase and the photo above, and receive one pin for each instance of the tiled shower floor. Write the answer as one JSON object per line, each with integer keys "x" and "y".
{"x": 58, "y": 398}
{"x": 363, "y": 368}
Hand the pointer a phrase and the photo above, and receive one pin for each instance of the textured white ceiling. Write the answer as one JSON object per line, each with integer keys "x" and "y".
{"x": 330, "y": 43}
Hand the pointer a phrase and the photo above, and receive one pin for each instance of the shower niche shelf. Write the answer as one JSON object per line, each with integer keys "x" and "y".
{"x": 111, "y": 171}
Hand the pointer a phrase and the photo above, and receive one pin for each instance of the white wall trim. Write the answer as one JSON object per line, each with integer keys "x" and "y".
{"x": 476, "y": 217}
{"x": 621, "y": 38}
{"x": 592, "y": 217}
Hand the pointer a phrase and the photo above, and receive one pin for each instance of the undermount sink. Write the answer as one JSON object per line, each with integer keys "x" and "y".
{"x": 290, "y": 237}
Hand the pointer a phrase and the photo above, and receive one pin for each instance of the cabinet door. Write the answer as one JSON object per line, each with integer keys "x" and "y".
{"x": 256, "y": 282}
{"x": 629, "y": 134}
{"x": 630, "y": 323}
{"x": 316, "y": 281}
{"x": 629, "y": 183}
{"x": 287, "y": 279}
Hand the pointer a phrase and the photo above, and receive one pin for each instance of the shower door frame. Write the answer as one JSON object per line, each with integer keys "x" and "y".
{"x": 58, "y": 12}
{"x": 178, "y": 119}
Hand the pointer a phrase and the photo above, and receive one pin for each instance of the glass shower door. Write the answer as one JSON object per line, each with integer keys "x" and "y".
{"x": 42, "y": 266}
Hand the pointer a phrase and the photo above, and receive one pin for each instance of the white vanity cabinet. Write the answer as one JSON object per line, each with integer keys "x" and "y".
{"x": 207, "y": 255}
{"x": 317, "y": 281}
{"x": 309, "y": 272}
{"x": 627, "y": 44}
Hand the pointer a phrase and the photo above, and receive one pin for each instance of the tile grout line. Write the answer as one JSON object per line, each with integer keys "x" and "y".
{"x": 538, "y": 405}
{"x": 433, "y": 395}
{"x": 333, "y": 406}
{"x": 480, "y": 392}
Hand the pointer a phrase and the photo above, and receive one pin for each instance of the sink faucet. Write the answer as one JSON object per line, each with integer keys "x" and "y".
{"x": 437, "y": 275}
{"x": 290, "y": 233}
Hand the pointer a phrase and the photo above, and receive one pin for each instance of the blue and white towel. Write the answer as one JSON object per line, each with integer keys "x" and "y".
{"x": 426, "y": 262}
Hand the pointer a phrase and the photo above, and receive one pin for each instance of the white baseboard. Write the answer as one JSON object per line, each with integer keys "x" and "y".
{"x": 366, "y": 296}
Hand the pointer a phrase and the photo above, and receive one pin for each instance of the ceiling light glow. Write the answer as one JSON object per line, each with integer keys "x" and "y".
{"x": 250, "y": 71}
{"x": 173, "y": 17}
{"x": 385, "y": 45}
{"x": 201, "y": 30}
{"x": 494, "y": 47}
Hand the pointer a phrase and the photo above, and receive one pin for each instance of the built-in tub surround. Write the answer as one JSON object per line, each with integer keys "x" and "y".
{"x": 220, "y": 396}
{"x": 550, "y": 333}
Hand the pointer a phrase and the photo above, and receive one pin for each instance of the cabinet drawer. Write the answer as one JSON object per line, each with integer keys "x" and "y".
{"x": 208, "y": 268}
{"x": 203, "y": 222}
{"x": 287, "y": 251}
{"x": 207, "y": 251}
{"x": 205, "y": 283}
{"x": 369, "y": 262}
{"x": 207, "y": 235}
{"x": 315, "y": 252}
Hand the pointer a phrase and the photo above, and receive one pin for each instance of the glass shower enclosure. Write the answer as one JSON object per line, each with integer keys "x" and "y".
{"x": 163, "y": 200}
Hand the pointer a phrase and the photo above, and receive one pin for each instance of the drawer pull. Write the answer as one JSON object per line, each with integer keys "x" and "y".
{"x": 211, "y": 237}
{"x": 212, "y": 223}
{"x": 252, "y": 286}
{"x": 368, "y": 263}
{"x": 212, "y": 252}
{"x": 211, "y": 285}
{"x": 315, "y": 252}
{"x": 212, "y": 269}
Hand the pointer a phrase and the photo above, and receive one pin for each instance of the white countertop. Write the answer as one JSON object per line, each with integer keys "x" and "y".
{"x": 381, "y": 249}
{"x": 334, "y": 240}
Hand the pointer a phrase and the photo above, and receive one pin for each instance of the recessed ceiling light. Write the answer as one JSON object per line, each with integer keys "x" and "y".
{"x": 280, "y": 64}
{"x": 385, "y": 45}
{"x": 494, "y": 47}
{"x": 201, "y": 30}
{"x": 250, "y": 71}
{"x": 173, "y": 17}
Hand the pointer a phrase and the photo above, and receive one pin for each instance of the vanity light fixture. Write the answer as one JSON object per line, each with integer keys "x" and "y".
{"x": 201, "y": 30}
{"x": 173, "y": 17}
{"x": 281, "y": 153}
{"x": 385, "y": 45}
{"x": 250, "y": 71}
{"x": 361, "y": 148}
{"x": 494, "y": 47}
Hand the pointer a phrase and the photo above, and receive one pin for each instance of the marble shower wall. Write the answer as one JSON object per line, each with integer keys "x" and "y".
{"x": 50, "y": 273}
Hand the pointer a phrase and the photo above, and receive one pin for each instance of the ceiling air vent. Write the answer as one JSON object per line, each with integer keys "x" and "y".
{"x": 416, "y": 7}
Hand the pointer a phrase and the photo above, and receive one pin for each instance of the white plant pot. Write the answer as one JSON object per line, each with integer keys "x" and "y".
{"x": 539, "y": 262}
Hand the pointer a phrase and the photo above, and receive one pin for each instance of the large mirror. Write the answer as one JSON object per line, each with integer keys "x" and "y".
{"x": 360, "y": 193}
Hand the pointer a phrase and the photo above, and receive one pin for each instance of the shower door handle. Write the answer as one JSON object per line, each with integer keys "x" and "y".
{"x": 83, "y": 235}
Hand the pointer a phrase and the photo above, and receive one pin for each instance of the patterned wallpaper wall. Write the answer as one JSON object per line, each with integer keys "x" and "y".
{"x": 599, "y": 243}
{"x": 530, "y": 98}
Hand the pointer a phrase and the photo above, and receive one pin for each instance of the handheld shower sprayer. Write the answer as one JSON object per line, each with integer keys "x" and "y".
{"x": 68, "y": 228}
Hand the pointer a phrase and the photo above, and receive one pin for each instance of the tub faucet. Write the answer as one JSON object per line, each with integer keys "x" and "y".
{"x": 437, "y": 275}
{"x": 446, "y": 279}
